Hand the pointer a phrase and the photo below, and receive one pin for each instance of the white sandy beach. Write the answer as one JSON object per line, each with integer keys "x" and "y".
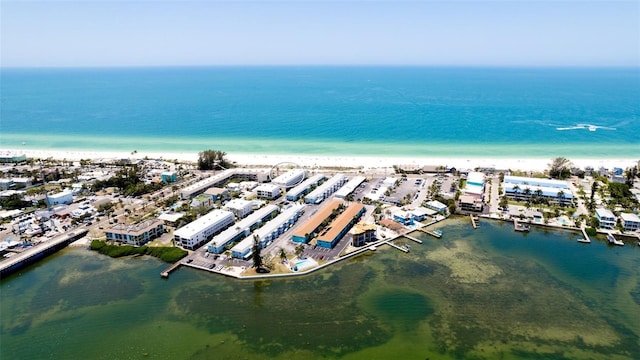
{"x": 310, "y": 161}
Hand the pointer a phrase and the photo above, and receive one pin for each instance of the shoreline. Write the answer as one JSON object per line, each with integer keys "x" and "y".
{"x": 345, "y": 161}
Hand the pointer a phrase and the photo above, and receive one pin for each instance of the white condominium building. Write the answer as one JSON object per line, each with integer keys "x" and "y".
{"x": 197, "y": 232}
{"x": 268, "y": 191}
{"x": 326, "y": 189}
{"x": 300, "y": 190}
{"x": 240, "y": 207}
{"x": 290, "y": 178}
{"x": 240, "y": 229}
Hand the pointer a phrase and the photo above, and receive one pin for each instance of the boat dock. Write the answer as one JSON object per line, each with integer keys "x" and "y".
{"x": 39, "y": 251}
{"x": 612, "y": 240}
{"x": 413, "y": 239}
{"x": 517, "y": 226}
{"x": 401, "y": 248}
{"x": 435, "y": 234}
{"x": 167, "y": 271}
{"x": 585, "y": 239}
{"x": 473, "y": 221}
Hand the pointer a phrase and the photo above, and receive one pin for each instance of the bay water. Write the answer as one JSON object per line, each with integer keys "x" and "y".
{"x": 488, "y": 293}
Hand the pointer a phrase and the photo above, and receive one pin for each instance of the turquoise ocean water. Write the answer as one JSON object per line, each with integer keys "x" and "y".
{"x": 460, "y": 112}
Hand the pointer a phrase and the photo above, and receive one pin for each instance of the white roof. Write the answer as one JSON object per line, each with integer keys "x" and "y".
{"x": 171, "y": 217}
{"x": 208, "y": 181}
{"x": 212, "y": 180}
{"x": 325, "y": 186}
{"x": 242, "y": 225}
{"x": 198, "y": 225}
{"x": 521, "y": 180}
{"x": 602, "y": 212}
{"x": 268, "y": 228}
{"x": 268, "y": 187}
{"x": 390, "y": 181}
{"x": 375, "y": 196}
{"x": 546, "y": 191}
{"x": 282, "y": 218}
{"x": 63, "y": 193}
{"x": 401, "y": 213}
{"x": 423, "y": 211}
{"x": 350, "y": 186}
{"x": 296, "y": 191}
{"x": 473, "y": 189}
{"x": 289, "y": 176}
{"x": 475, "y": 177}
{"x": 436, "y": 204}
{"x": 630, "y": 217}
{"x": 238, "y": 204}
{"x": 244, "y": 245}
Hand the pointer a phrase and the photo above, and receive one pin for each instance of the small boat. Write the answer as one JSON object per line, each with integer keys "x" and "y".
{"x": 438, "y": 232}
{"x": 613, "y": 240}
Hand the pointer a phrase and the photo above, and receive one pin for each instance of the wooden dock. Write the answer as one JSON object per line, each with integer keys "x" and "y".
{"x": 167, "y": 271}
{"x": 612, "y": 240}
{"x": 432, "y": 233}
{"x": 473, "y": 221}
{"x": 401, "y": 248}
{"x": 519, "y": 226}
{"x": 585, "y": 239}
{"x": 413, "y": 239}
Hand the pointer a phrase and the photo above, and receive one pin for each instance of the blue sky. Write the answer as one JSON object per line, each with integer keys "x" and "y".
{"x": 453, "y": 33}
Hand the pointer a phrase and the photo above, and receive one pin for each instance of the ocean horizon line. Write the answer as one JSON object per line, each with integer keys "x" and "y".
{"x": 346, "y": 66}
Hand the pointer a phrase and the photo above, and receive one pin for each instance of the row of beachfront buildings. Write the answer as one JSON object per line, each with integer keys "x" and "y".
{"x": 517, "y": 188}
{"x": 239, "y": 223}
{"x": 555, "y": 191}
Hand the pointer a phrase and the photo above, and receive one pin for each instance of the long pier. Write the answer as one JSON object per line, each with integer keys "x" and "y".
{"x": 39, "y": 251}
{"x": 473, "y": 221}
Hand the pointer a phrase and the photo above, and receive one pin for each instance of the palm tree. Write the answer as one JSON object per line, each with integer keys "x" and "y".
{"x": 283, "y": 255}
{"x": 516, "y": 189}
{"x": 561, "y": 197}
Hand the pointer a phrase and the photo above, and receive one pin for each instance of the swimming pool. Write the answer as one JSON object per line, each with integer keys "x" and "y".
{"x": 304, "y": 264}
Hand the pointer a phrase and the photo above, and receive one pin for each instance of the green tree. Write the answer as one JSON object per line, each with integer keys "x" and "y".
{"x": 256, "y": 253}
{"x": 283, "y": 255}
{"x": 630, "y": 174}
{"x": 561, "y": 197}
{"x": 504, "y": 202}
{"x": 299, "y": 249}
{"x": 212, "y": 160}
{"x": 516, "y": 190}
{"x": 560, "y": 168}
{"x": 594, "y": 188}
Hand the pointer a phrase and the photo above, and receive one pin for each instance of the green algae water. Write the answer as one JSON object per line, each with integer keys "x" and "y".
{"x": 489, "y": 293}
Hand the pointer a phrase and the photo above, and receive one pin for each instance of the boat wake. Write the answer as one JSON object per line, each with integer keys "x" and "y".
{"x": 589, "y": 127}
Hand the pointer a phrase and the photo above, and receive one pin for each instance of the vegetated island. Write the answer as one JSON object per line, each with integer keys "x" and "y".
{"x": 164, "y": 253}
